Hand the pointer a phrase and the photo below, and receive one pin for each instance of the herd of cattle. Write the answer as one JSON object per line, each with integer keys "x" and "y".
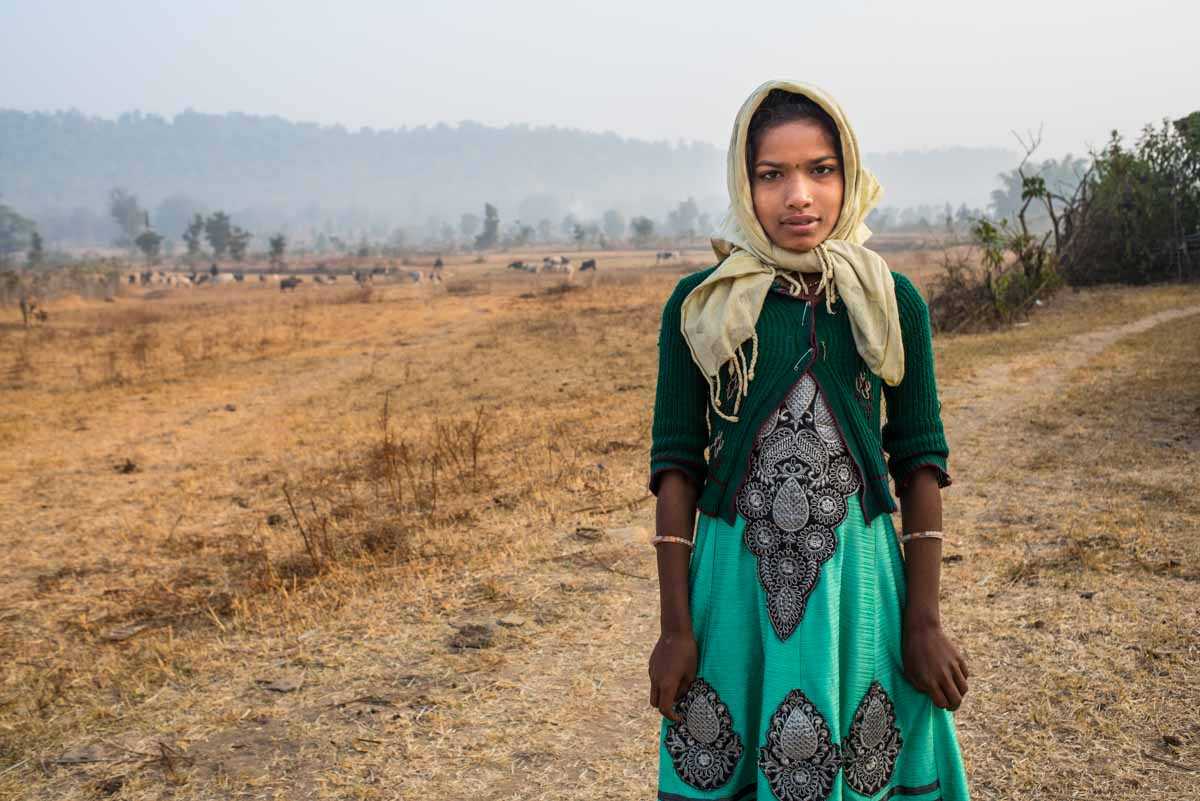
{"x": 549, "y": 264}
{"x": 164, "y": 278}
{"x": 33, "y": 310}
{"x": 553, "y": 264}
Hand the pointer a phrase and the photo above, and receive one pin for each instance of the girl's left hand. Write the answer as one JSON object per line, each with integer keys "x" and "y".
{"x": 933, "y": 665}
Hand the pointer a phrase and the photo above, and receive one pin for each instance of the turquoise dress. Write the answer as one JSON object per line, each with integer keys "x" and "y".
{"x": 800, "y": 693}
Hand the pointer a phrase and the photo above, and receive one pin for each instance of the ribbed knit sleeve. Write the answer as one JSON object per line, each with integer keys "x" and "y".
{"x": 913, "y": 435}
{"x": 679, "y": 433}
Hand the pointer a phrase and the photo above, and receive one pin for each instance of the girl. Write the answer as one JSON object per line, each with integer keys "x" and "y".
{"x": 801, "y": 656}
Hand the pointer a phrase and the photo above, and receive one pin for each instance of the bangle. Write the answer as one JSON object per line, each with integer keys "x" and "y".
{"x": 656, "y": 540}
{"x": 921, "y": 535}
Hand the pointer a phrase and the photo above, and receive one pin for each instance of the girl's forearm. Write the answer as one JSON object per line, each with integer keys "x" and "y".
{"x": 921, "y": 510}
{"x": 675, "y": 516}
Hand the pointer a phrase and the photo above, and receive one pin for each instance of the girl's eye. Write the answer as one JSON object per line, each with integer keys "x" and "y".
{"x": 769, "y": 175}
{"x": 825, "y": 169}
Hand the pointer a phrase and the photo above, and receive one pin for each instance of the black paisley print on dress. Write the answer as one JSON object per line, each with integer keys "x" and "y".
{"x": 870, "y": 749}
{"x": 793, "y": 499}
{"x": 799, "y": 760}
{"x": 703, "y": 745}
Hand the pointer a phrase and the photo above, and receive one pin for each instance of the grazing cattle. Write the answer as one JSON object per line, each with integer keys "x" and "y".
{"x": 291, "y": 282}
{"x": 239, "y": 277}
{"x": 666, "y": 255}
{"x": 588, "y": 264}
{"x": 415, "y": 276}
{"x": 437, "y": 264}
{"x": 522, "y": 266}
{"x": 435, "y": 277}
{"x": 31, "y": 311}
{"x": 557, "y": 264}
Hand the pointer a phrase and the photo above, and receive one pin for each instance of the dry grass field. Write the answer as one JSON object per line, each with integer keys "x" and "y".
{"x": 389, "y": 543}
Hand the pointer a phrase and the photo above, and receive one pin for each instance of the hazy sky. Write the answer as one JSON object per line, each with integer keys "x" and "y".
{"x": 918, "y": 74}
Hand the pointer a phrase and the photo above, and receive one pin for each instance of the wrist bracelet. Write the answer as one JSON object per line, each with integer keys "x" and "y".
{"x": 660, "y": 538}
{"x": 921, "y": 535}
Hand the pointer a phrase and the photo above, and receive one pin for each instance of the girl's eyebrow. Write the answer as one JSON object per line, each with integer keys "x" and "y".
{"x": 778, "y": 165}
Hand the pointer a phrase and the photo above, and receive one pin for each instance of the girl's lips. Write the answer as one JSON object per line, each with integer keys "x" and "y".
{"x": 801, "y": 227}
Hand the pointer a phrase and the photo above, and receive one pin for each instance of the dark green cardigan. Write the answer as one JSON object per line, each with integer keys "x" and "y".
{"x": 795, "y": 336}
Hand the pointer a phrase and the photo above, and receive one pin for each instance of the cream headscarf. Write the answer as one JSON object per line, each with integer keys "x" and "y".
{"x": 720, "y": 313}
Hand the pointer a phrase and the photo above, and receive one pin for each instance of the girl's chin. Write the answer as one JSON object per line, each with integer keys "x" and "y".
{"x": 799, "y": 242}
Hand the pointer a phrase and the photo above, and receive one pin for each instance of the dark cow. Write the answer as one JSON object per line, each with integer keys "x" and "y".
{"x": 290, "y": 283}
{"x": 588, "y": 264}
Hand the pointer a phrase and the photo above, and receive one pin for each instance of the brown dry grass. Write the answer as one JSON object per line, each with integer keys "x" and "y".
{"x": 453, "y": 599}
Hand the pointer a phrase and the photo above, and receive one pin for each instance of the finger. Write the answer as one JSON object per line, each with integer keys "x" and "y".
{"x": 919, "y": 683}
{"x": 960, "y": 678}
{"x": 962, "y": 663}
{"x": 666, "y": 699}
{"x": 950, "y": 691}
{"x": 939, "y": 699}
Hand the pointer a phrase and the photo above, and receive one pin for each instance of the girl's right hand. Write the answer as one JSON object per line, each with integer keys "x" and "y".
{"x": 672, "y": 670}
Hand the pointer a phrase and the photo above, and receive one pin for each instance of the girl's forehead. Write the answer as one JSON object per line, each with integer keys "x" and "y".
{"x": 802, "y": 137}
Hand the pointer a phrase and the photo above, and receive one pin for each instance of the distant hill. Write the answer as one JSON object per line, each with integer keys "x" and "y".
{"x": 272, "y": 173}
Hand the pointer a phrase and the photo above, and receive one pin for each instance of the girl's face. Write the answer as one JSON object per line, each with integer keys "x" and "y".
{"x": 797, "y": 184}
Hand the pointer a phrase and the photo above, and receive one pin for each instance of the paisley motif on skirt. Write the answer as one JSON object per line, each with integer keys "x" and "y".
{"x": 793, "y": 498}
{"x": 870, "y": 749}
{"x": 799, "y": 760}
{"x": 703, "y": 745}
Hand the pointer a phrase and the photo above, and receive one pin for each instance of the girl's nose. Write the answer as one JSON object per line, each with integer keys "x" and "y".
{"x": 799, "y": 194}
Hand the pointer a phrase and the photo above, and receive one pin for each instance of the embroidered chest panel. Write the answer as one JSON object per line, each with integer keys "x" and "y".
{"x": 793, "y": 499}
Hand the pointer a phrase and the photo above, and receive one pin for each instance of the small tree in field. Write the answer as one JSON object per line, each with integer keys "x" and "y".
{"x": 278, "y": 246}
{"x": 491, "y": 228}
{"x": 15, "y": 232}
{"x": 150, "y": 243}
{"x": 36, "y": 253}
{"x": 217, "y": 229}
{"x": 126, "y": 213}
{"x": 193, "y": 236}
{"x": 643, "y": 230}
{"x": 239, "y": 240}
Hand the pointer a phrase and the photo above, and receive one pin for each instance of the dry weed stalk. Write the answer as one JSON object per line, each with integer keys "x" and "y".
{"x": 319, "y": 545}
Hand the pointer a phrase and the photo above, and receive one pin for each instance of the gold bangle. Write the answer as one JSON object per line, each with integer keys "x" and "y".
{"x": 657, "y": 539}
{"x": 921, "y": 535}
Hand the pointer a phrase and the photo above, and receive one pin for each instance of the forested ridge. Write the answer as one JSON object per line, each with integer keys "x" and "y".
{"x": 273, "y": 172}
